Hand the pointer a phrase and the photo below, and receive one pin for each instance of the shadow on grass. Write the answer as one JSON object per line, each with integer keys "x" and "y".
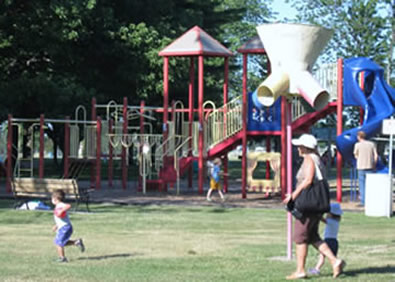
{"x": 371, "y": 270}
{"x": 218, "y": 210}
{"x": 7, "y": 204}
{"x": 108, "y": 257}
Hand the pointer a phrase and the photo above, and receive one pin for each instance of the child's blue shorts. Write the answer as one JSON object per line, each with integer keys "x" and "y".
{"x": 63, "y": 235}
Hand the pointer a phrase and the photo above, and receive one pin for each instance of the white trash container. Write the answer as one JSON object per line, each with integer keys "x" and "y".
{"x": 378, "y": 195}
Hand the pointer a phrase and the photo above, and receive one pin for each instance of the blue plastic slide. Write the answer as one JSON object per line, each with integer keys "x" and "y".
{"x": 377, "y": 99}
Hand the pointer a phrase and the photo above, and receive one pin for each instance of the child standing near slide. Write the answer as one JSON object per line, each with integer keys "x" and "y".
{"x": 214, "y": 179}
{"x": 332, "y": 222}
{"x": 63, "y": 227}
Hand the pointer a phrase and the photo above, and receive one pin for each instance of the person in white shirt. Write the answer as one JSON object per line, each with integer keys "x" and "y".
{"x": 331, "y": 231}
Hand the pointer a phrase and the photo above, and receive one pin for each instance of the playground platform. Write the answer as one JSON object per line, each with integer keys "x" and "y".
{"x": 190, "y": 197}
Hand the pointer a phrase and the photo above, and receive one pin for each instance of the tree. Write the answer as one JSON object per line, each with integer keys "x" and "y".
{"x": 236, "y": 33}
{"x": 55, "y": 55}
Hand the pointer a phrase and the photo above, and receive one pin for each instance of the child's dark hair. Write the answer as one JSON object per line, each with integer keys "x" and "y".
{"x": 59, "y": 195}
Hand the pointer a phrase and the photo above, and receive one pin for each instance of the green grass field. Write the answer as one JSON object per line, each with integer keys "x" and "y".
{"x": 172, "y": 243}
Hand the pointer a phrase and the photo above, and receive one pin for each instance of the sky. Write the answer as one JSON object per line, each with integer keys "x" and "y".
{"x": 283, "y": 9}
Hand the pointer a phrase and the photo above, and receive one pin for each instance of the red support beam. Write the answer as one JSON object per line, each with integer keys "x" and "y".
{"x": 9, "y": 155}
{"x": 191, "y": 87}
{"x": 93, "y": 117}
{"x": 66, "y": 148}
{"x": 110, "y": 154}
{"x": 362, "y": 85}
{"x": 41, "y": 149}
{"x": 226, "y": 81}
{"x": 165, "y": 96}
{"x": 339, "y": 131}
{"x": 142, "y": 105}
{"x": 244, "y": 138}
{"x": 201, "y": 123}
{"x": 98, "y": 153}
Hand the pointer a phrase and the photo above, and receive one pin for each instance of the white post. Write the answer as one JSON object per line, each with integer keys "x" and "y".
{"x": 289, "y": 175}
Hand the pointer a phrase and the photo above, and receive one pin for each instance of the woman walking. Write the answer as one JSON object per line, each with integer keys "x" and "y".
{"x": 306, "y": 228}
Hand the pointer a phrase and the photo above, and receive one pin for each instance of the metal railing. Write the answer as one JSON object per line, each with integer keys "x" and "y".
{"x": 326, "y": 76}
{"x": 223, "y": 122}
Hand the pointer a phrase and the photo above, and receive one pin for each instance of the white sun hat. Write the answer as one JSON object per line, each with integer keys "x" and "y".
{"x": 306, "y": 140}
{"x": 336, "y": 209}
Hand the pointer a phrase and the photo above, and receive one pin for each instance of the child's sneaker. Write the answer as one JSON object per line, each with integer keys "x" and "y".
{"x": 314, "y": 271}
{"x": 62, "y": 259}
{"x": 80, "y": 244}
{"x": 209, "y": 199}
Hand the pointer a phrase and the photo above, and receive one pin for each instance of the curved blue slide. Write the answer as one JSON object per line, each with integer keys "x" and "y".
{"x": 377, "y": 99}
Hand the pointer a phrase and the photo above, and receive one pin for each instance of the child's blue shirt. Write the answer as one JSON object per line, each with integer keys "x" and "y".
{"x": 215, "y": 172}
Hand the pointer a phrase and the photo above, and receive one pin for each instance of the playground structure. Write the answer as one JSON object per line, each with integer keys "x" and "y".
{"x": 127, "y": 134}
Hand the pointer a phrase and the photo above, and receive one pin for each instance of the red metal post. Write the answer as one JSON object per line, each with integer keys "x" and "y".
{"x": 226, "y": 80}
{"x": 93, "y": 108}
{"x": 98, "y": 153}
{"x": 165, "y": 96}
{"x": 124, "y": 131}
{"x": 201, "y": 123}
{"x": 66, "y": 148}
{"x": 362, "y": 85}
{"x": 190, "y": 114}
{"x": 9, "y": 154}
{"x": 142, "y": 105}
{"x": 93, "y": 117}
{"x": 165, "y": 127}
{"x": 110, "y": 154}
{"x": 339, "y": 158}
{"x": 41, "y": 149}
{"x": 244, "y": 138}
{"x": 283, "y": 146}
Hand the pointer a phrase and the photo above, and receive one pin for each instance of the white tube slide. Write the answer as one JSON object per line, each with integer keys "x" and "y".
{"x": 292, "y": 50}
{"x": 272, "y": 87}
{"x": 310, "y": 89}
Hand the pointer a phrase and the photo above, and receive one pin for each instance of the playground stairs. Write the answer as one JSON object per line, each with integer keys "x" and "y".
{"x": 304, "y": 122}
{"x": 225, "y": 146}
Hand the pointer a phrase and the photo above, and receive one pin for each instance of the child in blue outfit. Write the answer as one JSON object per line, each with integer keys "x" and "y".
{"x": 332, "y": 222}
{"x": 63, "y": 227}
{"x": 214, "y": 179}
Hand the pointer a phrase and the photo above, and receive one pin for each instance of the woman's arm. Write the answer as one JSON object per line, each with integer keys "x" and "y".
{"x": 309, "y": 167}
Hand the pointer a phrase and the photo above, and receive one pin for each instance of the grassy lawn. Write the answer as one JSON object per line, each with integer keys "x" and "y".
{"x": 169, "y": 243}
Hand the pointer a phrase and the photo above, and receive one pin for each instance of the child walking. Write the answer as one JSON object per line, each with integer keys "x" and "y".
{"x": 332, "y": 222}
{"x": 63, "y": 226}
{"x": 214, "y": 179}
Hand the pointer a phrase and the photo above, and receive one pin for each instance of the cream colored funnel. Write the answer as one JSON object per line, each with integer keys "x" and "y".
{"x": 292, "y": 50}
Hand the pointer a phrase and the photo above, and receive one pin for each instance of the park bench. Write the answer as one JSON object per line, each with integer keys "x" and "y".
{"x": 35, "y": 188}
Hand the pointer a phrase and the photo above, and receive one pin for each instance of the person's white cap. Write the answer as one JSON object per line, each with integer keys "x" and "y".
{"x": 336, "y": 209}
{"x": 306, "y": 140}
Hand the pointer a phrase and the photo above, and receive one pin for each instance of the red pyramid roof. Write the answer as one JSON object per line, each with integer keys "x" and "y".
{"x": 195, "y": 42}
{"x": 254, "y": 45}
